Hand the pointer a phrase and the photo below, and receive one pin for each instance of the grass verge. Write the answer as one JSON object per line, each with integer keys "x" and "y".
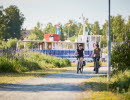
{"x": 7, "y": 78}
{"x": 91, "y": 64}
{"x": 96, "y": 88}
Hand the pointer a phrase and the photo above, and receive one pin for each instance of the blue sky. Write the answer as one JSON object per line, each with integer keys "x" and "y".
{"x": 60, "y": 11}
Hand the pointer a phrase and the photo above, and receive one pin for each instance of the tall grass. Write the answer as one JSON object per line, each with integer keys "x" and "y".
{"x": 120, "y": 83}
{"x": 28, "y": 61}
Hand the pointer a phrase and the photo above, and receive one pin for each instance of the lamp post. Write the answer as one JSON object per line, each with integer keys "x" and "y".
{"x": 109, "y": 43}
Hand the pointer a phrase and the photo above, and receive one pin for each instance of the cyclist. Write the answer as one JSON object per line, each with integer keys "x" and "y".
{"x": 81, "y": 53}
{"x": 97, "y": 54}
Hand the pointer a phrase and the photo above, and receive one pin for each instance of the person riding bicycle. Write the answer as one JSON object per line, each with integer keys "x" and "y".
{"x": 80, "y": 52}
{"x": 97, "y": 54}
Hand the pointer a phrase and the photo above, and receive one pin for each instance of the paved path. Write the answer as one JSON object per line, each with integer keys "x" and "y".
{"x": 62, "y": 86}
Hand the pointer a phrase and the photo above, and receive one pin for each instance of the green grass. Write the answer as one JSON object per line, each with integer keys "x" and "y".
{"x": 98, "y": 88}
{"x": 6, "y": 78}
{"x": 30, "y": 61}
{"x": 91, "y": 64}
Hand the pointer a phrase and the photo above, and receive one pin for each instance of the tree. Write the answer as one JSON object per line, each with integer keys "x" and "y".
{"x": 117, "y": 28}
{"x": 49, "y": 29}
{"x": 127, "y": 29}
{"x": 37, "y": 32}
{"x": 71, "y": 28}
{"x": 104, "y": 32}
{"x": 4, "y": 34}
{"x": 96, "y": 28}
{"x": 16, "y": 19}
{"x": 62, "y": 38}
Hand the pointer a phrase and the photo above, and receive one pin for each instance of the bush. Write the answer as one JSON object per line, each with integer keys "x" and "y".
{"x": 121, "y": 57}
{"x": 121, "y": 81}
{"x": 11, "y": 43}
{"x": 10, "y": 65}
{"x": 29, "y": 61}
{"x": 3, "y": 44}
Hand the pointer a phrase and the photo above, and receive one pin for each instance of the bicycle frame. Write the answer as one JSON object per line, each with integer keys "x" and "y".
{"x": 79, "y": 66}
{"x": 96, "y": 65}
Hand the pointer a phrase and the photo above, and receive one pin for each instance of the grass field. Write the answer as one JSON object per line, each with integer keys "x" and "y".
{"x": 96, "y": 88}
{"x": 6, "y": 78}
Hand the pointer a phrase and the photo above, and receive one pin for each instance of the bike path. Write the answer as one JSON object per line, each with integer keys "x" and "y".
{"x": 61, "y": 86}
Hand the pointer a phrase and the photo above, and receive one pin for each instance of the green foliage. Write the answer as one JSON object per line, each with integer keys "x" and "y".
{"x": 10, "y": 22}
{"x": 29, "y": 61}
{"x": 121, "y": 82}
{"x": 37, "y": 33}
{"x": 72, "y": 38}
{"x": 121, "y": 57}
{"x": 11, "y": 43}
{"x": 62, "y": 38}
{"x": 4, "y": 34}
{"x": 10, "y": 65}
{"x": 72, "y": 28}
{"x": 3, "y": 44}
{"x": 49, "y": 29}
{"x": 96, "y": 28}
{"x": 15, "y": 21}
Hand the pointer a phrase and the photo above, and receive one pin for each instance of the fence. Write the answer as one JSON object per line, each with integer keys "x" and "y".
{"x": 64, "y": 53}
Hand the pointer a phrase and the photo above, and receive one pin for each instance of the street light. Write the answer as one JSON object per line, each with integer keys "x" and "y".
{"x": 109, "y": 42}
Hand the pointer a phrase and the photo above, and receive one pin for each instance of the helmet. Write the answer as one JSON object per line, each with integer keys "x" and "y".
{"x": 97, "y": 45}
{"x": 80, "y": 45}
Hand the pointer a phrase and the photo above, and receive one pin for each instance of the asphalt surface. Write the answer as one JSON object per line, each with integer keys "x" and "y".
{"x": 62, "y": 86}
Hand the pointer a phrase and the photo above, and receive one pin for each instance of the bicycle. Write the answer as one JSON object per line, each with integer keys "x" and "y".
{"x": 96, "y": 65}
{"x": 79, "y": 66}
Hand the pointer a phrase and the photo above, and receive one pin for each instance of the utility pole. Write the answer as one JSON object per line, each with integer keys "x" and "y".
{"x": 109, "y": 41}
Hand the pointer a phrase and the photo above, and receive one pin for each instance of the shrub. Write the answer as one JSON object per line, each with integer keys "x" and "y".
{"x": 10, "y": 65}
{"x": 11, "y": 43}
{"x": 29, "y": 61}
{"x": 121, "y": 82}
{"x": 3, "y": 44}
{"x": 121, "y": 57}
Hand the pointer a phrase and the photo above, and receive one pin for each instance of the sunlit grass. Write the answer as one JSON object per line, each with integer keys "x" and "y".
{"x": 96, "y": 88}
{"x": 103, "y": 95}
{"x": 6, "y": 78}
{"x": 91, "y": 64}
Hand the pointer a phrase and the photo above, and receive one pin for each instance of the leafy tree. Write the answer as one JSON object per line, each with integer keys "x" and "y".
{"x": 37, "y": 33}
{"x": 96, "y": 28}
{"x": 117, "y": 28}
{"x": 49, "y": 29}
{"x": 73, "y": 29}
{"x": 127, "y": 34}
{"x": 16, "y": 19}
{"x": 104, "y": 32}
{"x": 121, "y": 56}
{"x": 4, "y": 34}
{"x": 62, "y": 38}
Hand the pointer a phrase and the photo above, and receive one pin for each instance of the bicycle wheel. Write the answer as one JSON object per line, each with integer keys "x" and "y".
{"x": 81, "y": 69}
{"x": 96, "y": 68}
{"x": 78, "y": 66}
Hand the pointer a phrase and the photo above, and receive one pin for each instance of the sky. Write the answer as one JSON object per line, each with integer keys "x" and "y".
{"x": 60, "y": 11}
